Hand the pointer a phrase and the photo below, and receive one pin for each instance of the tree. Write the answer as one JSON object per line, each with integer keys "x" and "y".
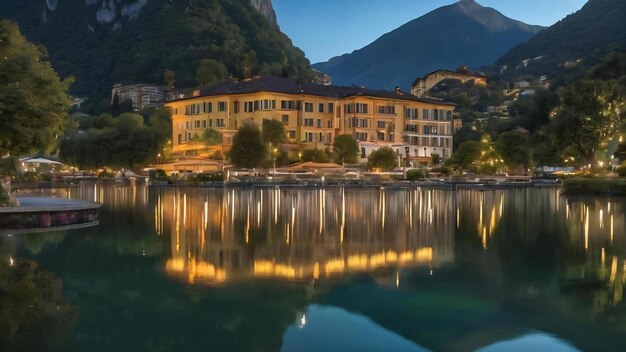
{"x": 210, "y": 70}
{"x": 169, "y": 77}
{"x": 273, "y": 132}
{"x": 345, "y": 149}
{"x": 466, "y": 155}
{"x": 33, "y": 100}
{"x": 514, "y": 148}
{"x": 315, "y": 155}
{"x": 248, "y": 149}
{"x": 384, "y": 159}
{"x": 592, "y": 115}
{"x": 211, "y": 137}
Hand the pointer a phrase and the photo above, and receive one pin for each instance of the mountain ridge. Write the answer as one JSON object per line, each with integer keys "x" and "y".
{"x": 598, "y": 27}
{"x": 374, "y": 67}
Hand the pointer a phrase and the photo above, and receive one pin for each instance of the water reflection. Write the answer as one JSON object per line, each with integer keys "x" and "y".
{"x": 444, "y": 270}
{"x": 222, "y": 235}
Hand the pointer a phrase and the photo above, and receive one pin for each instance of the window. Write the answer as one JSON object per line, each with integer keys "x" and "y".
{"x": 236, "y": 107}
{"x": 308, "y": 122}
{"x": 410, "y": 113}
{"x": 428, "y": 114}
{"x": 331, "y": 107}
{"x": 430, "y": 129}
{"x": 359, "y": 136}
{"x": 320, "y": 107}
{"x": 209, "y": 107}
{"x": 410, "y": 128}
{"x": 330, "y": 124}
{"x": 203, "y": 123}
{"x": 308, "y": 107}
{"x": 362, "y": 153}
{"x": 388, "y": 110}
{"x": 288, "y": 105}
{"x": 382, "y": 124}
{"x": 210, "y": 123}
{"x": 292, "y": 134}
{"x": 319, "y": 123}
{"x": 381, "y": 136}
{"x": 180, "y": 138}
{"x": 357, "y": 122}
{"x": 221, "y": 106}
{"x": 175, "y": 111}
{"x": 308, "y": 136}
{"x": 187, "y": 125}
{"x": 285, "y": 119}
{"x": 197, "y": 124}
{"x": 357, "y": 108}
{"x": 219, "y": 122}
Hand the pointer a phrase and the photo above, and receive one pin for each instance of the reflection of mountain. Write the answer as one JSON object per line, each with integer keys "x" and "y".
{"x": 445, "y": 270}
{"x": 302, "y": 234}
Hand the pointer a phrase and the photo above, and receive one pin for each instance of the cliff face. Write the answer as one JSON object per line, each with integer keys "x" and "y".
{"x": 265, "y": 7}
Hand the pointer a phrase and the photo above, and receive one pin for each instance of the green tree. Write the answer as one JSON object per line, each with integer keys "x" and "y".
{"x": 33, "y": 100}
{"x": 514, "y": 148}
{"x": 211, "y": 137}
{"x": 345, "y": 149}
{"x": 315, "y": 155}
{"x": 593, "y": 113}
{"x": 466, "y": 155}
{"x": 274, "y": 132}
{"x": 248, "y": 149}
{"x": 384, "y": 159}
{"x": 169, "y": 77}
{"x": 104, "y": 121}
{"x": 210, "y": 70}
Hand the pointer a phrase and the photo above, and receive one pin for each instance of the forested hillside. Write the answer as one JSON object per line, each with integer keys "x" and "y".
{"x": 129, "y": 41}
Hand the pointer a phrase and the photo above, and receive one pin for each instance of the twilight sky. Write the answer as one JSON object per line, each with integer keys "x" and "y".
{"x": 327, "y": 28}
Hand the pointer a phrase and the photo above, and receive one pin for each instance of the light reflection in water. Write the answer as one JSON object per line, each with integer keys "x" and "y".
{"x": 324, "y": 232}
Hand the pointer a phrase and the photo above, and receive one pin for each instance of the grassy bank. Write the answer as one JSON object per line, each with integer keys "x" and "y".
{"x": 595, "y": 187}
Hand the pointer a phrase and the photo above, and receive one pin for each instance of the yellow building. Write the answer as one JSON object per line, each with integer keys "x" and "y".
{"x": 314, "y": 115}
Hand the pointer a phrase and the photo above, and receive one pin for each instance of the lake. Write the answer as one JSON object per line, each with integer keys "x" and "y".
{"x": 306, "y": 269}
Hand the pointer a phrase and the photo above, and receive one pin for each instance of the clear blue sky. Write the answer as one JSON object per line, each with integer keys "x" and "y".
{"x": 327, "y": 28}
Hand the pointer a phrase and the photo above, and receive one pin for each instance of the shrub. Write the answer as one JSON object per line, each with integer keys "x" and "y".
{"x": 210, "y": 177}
{"x": 158, "y": 175}
{"x": 106, "y": 174}
{"x": 416, "y": 174}
{"x": 622, "y": 170}
{"x": 5, "y": 198}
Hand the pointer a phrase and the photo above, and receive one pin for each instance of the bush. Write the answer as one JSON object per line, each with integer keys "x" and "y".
{"x": 210, "y": 177}
{"x": 622, "y": 170}
{"x": 158, "y": 175}
{"x": 5, "y": 198}
{"x": 31, "y": 176}
{"x": 416, "y": 174}
{"x": 106, "y": 174}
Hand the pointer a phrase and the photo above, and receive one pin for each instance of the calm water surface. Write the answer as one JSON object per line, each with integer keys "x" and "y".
{"x": 320, "y": 270}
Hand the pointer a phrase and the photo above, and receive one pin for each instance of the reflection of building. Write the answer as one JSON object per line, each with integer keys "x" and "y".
{"x": 315, "y": 114}
{"x": 302, "y": 234}
{"x": 142, "y": 95}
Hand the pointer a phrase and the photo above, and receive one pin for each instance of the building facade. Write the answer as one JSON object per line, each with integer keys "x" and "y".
{"x": 313, "y": 115}
{"x": 142, "y": 95}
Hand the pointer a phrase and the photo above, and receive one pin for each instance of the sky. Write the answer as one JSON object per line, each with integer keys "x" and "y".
{"x": 328, "y": 28}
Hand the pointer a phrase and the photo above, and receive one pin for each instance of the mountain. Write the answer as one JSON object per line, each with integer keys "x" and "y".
{"x": 587, "y": 35}
{"x": 446, "y": 38}
{"x": 102, "y": 42}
